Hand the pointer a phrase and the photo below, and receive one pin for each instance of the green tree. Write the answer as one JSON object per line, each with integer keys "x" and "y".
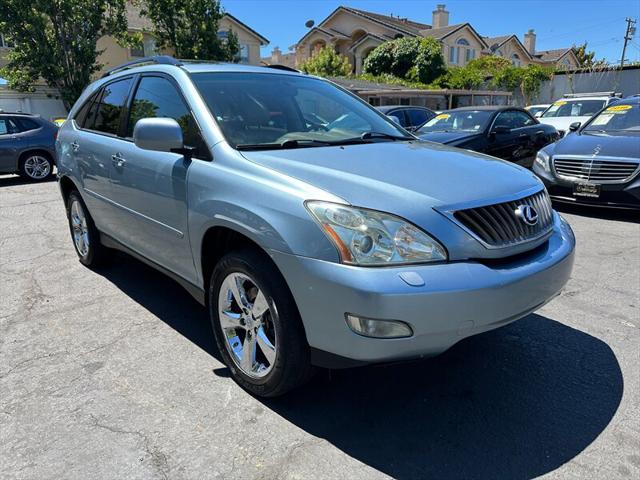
{"x": 190, "y": 27}
{"x": 585, "y": 59}
{"x": 489, "y": 65}
{"x": 326, "y": 62}
{"x": 55, "y": 40}
{"x": 415, "y": 59}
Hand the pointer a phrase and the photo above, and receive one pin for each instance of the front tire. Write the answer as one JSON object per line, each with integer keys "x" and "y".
{"x": 257, "y": 326}
{"x": 85, "y": 235}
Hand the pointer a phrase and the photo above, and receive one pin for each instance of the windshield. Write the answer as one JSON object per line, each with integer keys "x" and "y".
{"x": 458, "y": 121}
{"x": 574, "y": 108}
{"x": 262, "y": 110}
{"x": 617, "y": 118}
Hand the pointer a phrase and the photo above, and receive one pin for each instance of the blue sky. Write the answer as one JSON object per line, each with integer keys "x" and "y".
{"x": 558, "y": 23}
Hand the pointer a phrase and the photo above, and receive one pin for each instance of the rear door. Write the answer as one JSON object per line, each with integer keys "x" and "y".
{"x": 516, "y": 145}
{"x": 9, "y": 145}
{"x": 151, "y": 186}
{"x": 92, "y": 141}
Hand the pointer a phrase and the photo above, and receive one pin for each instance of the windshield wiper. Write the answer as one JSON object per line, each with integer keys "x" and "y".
{"x": 370, "y": 135}
{"x": 291, "y": 143}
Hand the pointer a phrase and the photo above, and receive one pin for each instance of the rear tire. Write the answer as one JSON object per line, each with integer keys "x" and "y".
{"x": 84, "y": 234}
{"x": 260, "y": 337}
{"x": 36, "y": 166}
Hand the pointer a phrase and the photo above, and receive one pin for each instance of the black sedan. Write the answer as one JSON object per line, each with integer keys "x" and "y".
{"x": 409, "y": 117}
{"x": 597, "y": 163}
{"x": 509, "y": 133}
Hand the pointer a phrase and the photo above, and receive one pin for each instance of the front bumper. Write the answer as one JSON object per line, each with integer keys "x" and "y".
{"x": 457, "y": 300}
{"x": 625, "y": 195}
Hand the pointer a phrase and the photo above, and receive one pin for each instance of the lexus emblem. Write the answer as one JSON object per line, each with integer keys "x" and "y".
{"x": 527, "y": 214}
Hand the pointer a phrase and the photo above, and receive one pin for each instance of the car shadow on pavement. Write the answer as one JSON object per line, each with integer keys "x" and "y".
{"x": 14, "y": 180}
{"x": 602, "y": 213}
{"x": 516, "y": 402}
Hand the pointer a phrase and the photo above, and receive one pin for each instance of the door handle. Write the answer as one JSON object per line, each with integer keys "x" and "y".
{"x": 75, "y": 146}
{"x": 118, "y": 160}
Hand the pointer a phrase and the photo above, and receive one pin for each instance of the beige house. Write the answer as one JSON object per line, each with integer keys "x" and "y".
{"x": 355, "y": 33}
{"x": 44, "y": 100}
{"x": 113, "y": 54}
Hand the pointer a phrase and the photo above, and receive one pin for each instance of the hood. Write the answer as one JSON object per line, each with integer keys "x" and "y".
{"x": 562, "y": 123}
{"x": 446, "y": 137}
{"x": 399, "y": 176}
{"x": 606, "y": 145}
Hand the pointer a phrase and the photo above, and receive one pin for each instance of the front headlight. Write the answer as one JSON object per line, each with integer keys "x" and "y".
{"x": 370, "y": 238}
{"x": 542, "y": 159}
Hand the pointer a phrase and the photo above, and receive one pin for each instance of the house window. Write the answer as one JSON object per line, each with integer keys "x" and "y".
{"x": 223, "y": 34}
{"x": 147, "y": 49}
{"x": 515, "y": 60}
{"x": 463, "y": 50}
{"x": 471, "y": 54}
{"x": 453, "y": 55}
{"x": 243, "y": 53}
{"x": 4, "y": 43}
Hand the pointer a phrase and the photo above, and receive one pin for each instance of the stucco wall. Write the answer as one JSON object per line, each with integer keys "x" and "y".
{"x": 244, "y": 37}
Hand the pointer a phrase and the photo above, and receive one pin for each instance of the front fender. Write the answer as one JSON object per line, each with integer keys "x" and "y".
{"x": 265, "y": 206}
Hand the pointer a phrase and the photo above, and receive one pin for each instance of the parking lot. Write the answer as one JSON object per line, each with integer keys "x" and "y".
{"x": 114, "y": 374}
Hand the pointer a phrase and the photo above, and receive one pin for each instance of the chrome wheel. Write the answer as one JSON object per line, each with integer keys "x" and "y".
{"x": 247, "y": 325}
{"x": 37, "y": 167}
{"x": 79, "y": 228}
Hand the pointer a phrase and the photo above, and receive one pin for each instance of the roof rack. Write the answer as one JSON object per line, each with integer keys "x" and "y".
{"x": 158, "y": 59}
{"x": 283, "y": 67}
{"x": 592, "y": 94}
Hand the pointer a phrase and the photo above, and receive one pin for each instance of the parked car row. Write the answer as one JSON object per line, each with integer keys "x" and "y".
{"x": 586, "y": 147}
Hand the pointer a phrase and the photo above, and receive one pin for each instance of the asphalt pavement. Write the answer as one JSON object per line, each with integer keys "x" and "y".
{"x": 114, "y": 375}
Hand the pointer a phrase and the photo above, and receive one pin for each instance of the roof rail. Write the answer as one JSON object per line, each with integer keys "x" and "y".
{"x": 592, "y": 94}
{"x": 283, "y": 67}
{"x": 159, "y": 59}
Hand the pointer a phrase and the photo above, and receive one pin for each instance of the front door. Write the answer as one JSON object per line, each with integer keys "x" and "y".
{"x": 152, "y": 186}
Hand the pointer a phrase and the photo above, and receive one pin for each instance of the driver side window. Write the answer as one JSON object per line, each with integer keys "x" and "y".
{"x": 514, "y": 119}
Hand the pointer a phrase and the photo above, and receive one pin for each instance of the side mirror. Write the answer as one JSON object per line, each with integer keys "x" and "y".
{"x": 574, "y": 126}
{"x": 394, "y": 119}
{"x": 159, "y": 135}
{"x": 538, "y": 114}
{"x": 500, "y": 129}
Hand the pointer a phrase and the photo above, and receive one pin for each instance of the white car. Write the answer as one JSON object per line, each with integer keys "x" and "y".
{"x": 537, "y": 110}
{"x": 574, "y": 108}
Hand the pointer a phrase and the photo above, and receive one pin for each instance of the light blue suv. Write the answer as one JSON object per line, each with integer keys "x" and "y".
{"x": 316, "y": 231}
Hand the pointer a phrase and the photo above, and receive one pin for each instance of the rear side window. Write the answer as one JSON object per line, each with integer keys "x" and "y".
{"x": 26, "y": 124}
{"x": 104, "y": 115}
{"x": 81, "y": 116}
{"x": 417, "y": 117}
{"x": 8, "y": 126}
{"x": 158, "y": 97}
{"x": 400, "y": 115}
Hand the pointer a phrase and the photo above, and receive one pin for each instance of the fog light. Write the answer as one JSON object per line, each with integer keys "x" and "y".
{"x": 369, "y": 327}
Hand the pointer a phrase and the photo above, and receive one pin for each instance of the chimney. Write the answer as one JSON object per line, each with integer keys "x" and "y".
{"x": 530, "y": 41}
{"x": 276, "y": 55}
{"x": 440, "y": 17}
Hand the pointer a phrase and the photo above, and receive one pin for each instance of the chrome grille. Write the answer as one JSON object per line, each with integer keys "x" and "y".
{"x": 498, "y": 225}
{"x": 595, "y": 170}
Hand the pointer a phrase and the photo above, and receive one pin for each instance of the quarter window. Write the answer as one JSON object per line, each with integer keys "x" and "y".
{"x": 158, "y": 97}
{"x": 26, "y": 124}
{"x": 104, "y": 115}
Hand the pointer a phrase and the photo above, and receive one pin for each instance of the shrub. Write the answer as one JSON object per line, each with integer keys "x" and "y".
{"x": 327, "y": 63}
{"x": 414, "y": 59}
